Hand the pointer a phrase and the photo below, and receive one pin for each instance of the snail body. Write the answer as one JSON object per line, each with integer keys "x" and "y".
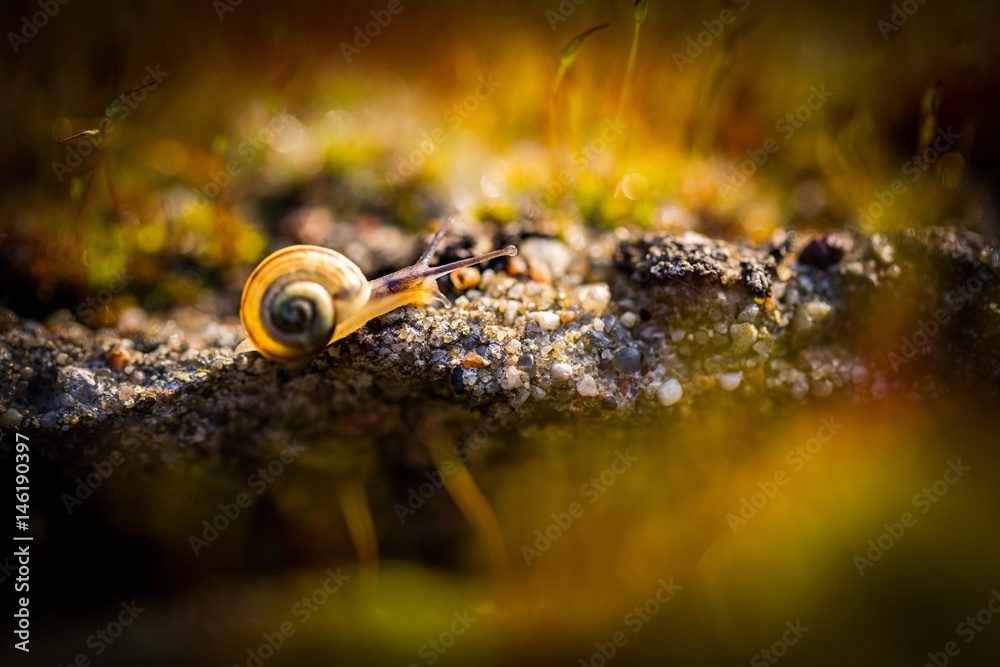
{"x": 301, "y": 299}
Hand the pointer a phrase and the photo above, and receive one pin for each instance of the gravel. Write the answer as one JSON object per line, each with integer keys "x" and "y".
{"x": 651, "y": 323}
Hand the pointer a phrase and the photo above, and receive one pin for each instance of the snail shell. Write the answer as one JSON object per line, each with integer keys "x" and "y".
{"x": 302, "y": 298}
{"x": 295, "y": 298}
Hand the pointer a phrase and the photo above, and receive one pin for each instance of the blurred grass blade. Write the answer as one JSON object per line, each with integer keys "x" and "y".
{"x": 85, "y": 133}
{"x": 476, "y": 508}
{"x": 116, "y": 106}
{"x": 569, "y": 53}
{"x": 702, "y": 133}
{"x": 361, "y": 528}
{"x": 566, "y": 60}
{"x": 639, "y": 9}
{"x": 929, "y": 105}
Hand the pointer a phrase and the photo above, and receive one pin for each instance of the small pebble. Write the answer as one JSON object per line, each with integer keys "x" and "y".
{"x": 730, "y": 381}
{"x": 126, "y": 392}
{"x": 628, "y": 360}
{"x": 552, "y": 253}
{"x": 744, "y": 336}
{"x": 598, "y": 339}
{"x": 473, "y": 360}
{"x": 587, "y": 386}
{"x": 628, "y": 320}
{"x": 818, "y": 309}
{"x": 669, "y": 392}
{"x": 117, "y": 358}
{"x": 511, "y": 378}
{"x": 516, "y": 266}
{"x": 539, "y": 272}
{"x": 595, "y": 298}
{"x": 809, "y": 316}
{"x": 526, "y": 363}
{"x": 749, "y": 314}
{"x": 466, "y": 278}
{"x": 132, "y": 320}
{"x": 458, "y": 380}
{"x": 10, "y": 419}
{"x": 547, "y": 320}
{"x": 561, "y": 371}
{"x": 824, "y": 251}
{"x": 511, "y": 313}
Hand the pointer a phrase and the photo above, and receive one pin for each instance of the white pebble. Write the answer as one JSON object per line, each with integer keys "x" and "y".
{"x": 595, "y": 298}
{"x": 749, "y": 313}
{"x": 511, "y": 313}
{"x": 550, "y": 252}
{"x": 511, "y": 378}
{"x": 669, "y": 392}
{"x": 628, "y": 320}
{"x": 547, "y": 320}
{"x": 561, "y": 371}
{"x": 730, "y": 381}
{"x": 587, "y": 386}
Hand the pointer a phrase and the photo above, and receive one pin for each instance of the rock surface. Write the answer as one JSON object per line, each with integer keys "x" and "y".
{"x": 645, "y": 325}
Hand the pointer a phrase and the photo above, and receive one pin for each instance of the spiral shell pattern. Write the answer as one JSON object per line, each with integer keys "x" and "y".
{"x": 294, "y": 299}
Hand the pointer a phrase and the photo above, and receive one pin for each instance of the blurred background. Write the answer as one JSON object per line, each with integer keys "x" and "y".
{"x": 217, "y": 131}
{"x": 454, "y": 104}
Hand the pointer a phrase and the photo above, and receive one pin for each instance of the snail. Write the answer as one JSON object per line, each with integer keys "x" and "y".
{"x": 301, "y": 299}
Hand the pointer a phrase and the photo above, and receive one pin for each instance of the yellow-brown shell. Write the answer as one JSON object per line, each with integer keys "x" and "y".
{"x": 294, "y": 300}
